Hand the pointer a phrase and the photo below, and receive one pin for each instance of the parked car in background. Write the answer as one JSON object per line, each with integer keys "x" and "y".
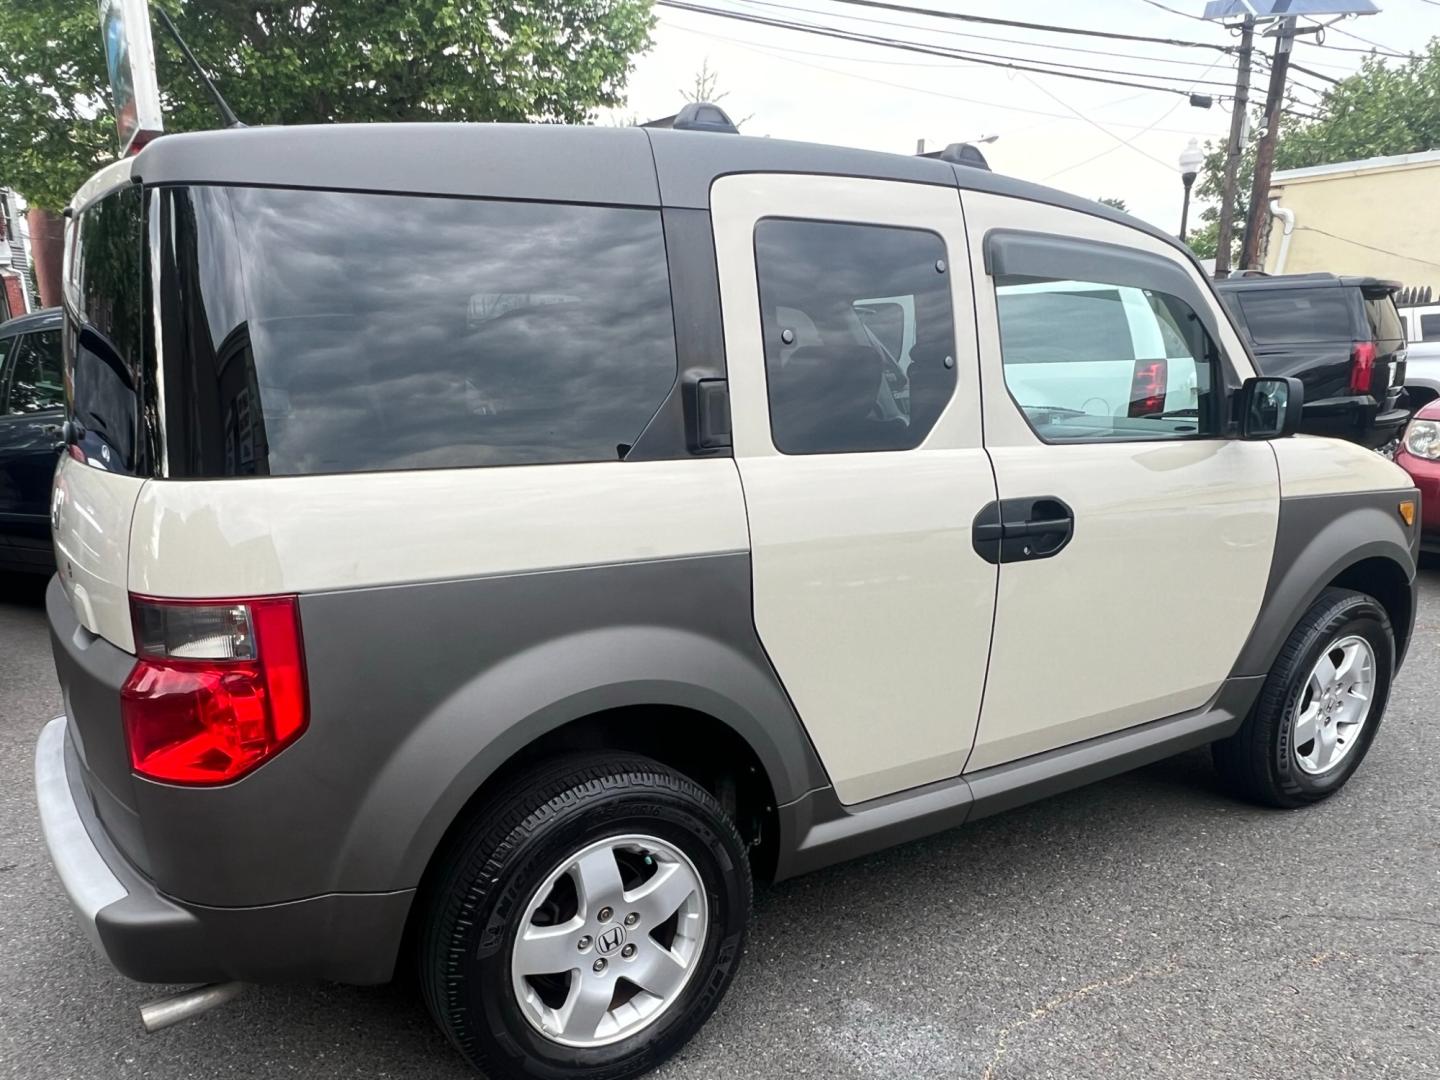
{"x": 1340, "y": 336}
{"x": 32, "y": 417}
{"x": 1422, "y": 359}
{"x": 858, "y": 549}
{"x": 1419, "y": 455}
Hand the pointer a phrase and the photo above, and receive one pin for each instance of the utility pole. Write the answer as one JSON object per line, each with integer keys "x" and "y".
{"x": 1234, "y": 150}
{"x": 1265, "y": 152}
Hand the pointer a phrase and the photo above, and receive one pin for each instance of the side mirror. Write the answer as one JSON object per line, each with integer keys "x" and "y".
{"x": 1270, "y": 407}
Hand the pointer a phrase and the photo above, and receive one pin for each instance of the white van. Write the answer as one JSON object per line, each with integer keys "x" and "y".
{"x": 485, "y": 550}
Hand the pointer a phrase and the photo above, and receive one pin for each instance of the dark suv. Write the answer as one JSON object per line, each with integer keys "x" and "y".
{"x": 32, "y": 410}
{"x": 1341, "y": 336}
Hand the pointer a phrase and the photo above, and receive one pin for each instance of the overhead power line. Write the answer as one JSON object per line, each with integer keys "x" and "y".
{"x": 1368, "y": 247}
{"x": 990, "y": 20}
{"x": 1375, "y": 46}
{"x": 789, "y": 55}
{"x": 982, "y": 59}
{"x": 971, "y": 35}
{"x": 1121, "y": 143}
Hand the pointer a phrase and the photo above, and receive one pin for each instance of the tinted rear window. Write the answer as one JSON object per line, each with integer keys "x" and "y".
{"x": 104, "y": 325}
{"x": 1384, "y": 318}
{"x": 1430, "y": 327}
{"x": 321, "y": 332}
{"x": 1292, "y": 316}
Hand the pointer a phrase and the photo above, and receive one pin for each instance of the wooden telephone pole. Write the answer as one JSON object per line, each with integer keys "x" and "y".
{"x": 1234, "y": 149}
{"x": 1265, "y": 152}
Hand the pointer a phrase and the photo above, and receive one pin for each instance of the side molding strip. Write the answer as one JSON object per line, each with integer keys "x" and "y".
{"x": 828, "y": 832}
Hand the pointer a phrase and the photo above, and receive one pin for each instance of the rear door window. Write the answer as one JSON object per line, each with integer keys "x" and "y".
{"x": 859, "y": 334}
{"x": 314, "y": 332}
{"x": 34, "y": 383}
{"x": 1296, "y": 316}
{"x": 1430, "y": 327}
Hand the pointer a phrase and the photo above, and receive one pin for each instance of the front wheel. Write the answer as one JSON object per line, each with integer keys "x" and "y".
{"x": 1320, "y": 707}
{"x": 586, "y": 923}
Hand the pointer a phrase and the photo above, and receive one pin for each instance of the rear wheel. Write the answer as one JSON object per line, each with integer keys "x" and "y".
{"x": 1320, "y": 707}
{"x": 587, "y": 922}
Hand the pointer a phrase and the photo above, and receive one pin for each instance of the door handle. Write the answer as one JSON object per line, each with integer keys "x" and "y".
{"x": 1020, "y": 530}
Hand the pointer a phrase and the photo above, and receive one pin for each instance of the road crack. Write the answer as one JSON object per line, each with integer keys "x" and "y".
{"x": 1041, "y": 1012}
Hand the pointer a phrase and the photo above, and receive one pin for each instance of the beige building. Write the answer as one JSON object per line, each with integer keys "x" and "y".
{"x": 1380, "y": 217}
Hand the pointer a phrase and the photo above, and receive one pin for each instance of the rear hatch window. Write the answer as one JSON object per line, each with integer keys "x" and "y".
{"x": 1297, "y": 316}
{"x": 310, "y": 332}
{"x": 1384, "y": 318}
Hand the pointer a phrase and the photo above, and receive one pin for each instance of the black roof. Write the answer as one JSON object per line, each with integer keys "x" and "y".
{"x": 1309, "y": 281}
{"x": 546, "y": 162}
{"x": 44, "y": 319}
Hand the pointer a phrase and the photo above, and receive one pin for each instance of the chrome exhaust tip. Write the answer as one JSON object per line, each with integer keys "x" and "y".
{"x": 187, "y": 1004}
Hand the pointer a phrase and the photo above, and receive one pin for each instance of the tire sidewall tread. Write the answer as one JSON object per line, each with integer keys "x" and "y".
{"x": 497, "y": 860}
{"x": 1257, "y": 760}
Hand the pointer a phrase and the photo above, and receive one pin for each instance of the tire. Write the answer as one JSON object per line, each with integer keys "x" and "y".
{"x": 1269, "y": 760}
{"x": 649, "y": 820}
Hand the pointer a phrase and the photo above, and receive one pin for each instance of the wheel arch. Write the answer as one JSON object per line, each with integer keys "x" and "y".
{"x": 1355, "y": 541}
{"x": 692, "y": 702}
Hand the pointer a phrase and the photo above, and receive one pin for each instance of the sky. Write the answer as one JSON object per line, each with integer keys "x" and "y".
{"x": 1092, "y": 139}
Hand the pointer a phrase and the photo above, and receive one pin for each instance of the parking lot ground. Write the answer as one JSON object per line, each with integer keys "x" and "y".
{"x": 1148, "y": 926}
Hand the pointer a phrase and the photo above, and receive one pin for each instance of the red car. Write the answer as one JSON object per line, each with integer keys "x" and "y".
{"x": 1419, "y": 455}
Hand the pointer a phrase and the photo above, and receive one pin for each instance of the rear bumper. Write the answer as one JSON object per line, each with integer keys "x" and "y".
{"x": 150, "y": 937}
{"x": 1358, "y": 419}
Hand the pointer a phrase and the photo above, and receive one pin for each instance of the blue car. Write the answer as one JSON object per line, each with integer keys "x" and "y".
{"x": 32, "y": 415}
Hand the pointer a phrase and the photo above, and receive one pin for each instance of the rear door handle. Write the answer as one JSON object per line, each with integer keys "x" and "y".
{"x": 1021, "y": 530}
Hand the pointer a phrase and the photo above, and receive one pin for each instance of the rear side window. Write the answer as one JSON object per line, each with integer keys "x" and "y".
{"x": 35, "y": 380}
{"x": 1384, "y": 319}
{"x": 104, "y": 321}
{"x": 1430, "y": 327}
{"x": 859, "y": 334}
{"x": 324, "y": 332}
{"x": 1296, "y": 316}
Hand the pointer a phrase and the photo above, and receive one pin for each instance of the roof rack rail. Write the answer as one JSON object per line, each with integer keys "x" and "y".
{"x": 961, "y": 153}
{"x": 697, "y": 116}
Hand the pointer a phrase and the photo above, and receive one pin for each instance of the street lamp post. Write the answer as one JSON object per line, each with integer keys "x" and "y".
{"x": 1191, "y": 158}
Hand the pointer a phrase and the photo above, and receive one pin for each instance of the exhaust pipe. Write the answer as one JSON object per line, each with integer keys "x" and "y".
{"x": 187, "y": 1004}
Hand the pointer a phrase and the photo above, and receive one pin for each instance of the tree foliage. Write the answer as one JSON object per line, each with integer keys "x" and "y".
{"x": 1382, "y": 109}
{"x": 1114, "y": 203}
{"x": 321, "y": 61}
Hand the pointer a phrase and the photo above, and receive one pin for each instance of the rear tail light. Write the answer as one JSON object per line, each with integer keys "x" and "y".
{"x": 218, "y": 689}
{"x": 1362, "y": 367}
{"x": 1147, "y": 388}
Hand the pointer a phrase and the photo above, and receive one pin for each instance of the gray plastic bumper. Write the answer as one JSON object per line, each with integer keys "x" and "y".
{"x": 88, "y": 879}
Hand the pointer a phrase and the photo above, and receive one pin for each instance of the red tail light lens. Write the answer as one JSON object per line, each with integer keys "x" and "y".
{"x": 219, "y": 687}
{"x": 1147, "y": 388}
{"x": 1362, "y": 367}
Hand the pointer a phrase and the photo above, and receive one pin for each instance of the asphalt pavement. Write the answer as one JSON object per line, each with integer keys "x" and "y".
{"x": 1148, "y": 926}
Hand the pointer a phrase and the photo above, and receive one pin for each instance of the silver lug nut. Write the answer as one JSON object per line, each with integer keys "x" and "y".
{"x": 599, "y": 965}
{"x": 584, "y": 943}
{"x": 605, "y": 914}
{"x": 631, "y": 919}
{"x": 628, "y": 951}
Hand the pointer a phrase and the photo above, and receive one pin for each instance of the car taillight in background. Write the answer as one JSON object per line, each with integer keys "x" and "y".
{"x": 1362, "y": 367}
{"x": 219, "y": 687}
{"x": 1147, "y": 388}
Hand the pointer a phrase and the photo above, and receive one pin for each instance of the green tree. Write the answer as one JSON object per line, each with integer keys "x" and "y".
{"x": 1114, "y": 203}
{"x": 1382, "y": 109}
{"x": 317, "y": 62}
